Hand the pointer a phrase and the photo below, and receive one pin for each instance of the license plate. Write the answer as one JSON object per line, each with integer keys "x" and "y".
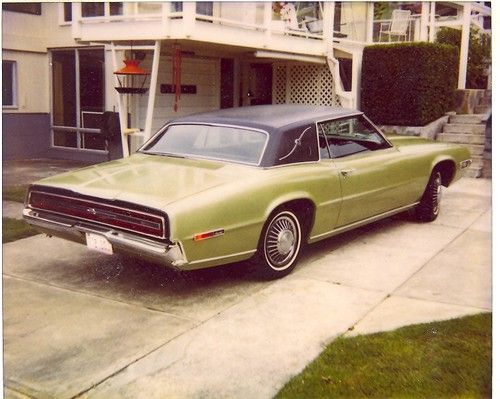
{"x": 99, "y": 243}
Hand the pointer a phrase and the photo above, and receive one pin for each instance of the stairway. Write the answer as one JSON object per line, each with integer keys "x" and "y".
{"x": 471, "y": 131}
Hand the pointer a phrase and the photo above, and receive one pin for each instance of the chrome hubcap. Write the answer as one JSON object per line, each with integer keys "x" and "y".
{"x": 281, "y": 241}
{"x": 285, "y": 242}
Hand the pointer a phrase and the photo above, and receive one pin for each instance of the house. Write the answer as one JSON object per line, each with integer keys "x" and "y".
{"x": 59, "y": 61}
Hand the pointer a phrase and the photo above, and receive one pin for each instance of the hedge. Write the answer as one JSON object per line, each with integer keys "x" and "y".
{"x": 479, "y": 53}
{"x": 408, "y": 84}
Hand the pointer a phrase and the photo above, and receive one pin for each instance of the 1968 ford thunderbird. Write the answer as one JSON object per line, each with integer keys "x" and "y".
{"x": 246, "y": 183}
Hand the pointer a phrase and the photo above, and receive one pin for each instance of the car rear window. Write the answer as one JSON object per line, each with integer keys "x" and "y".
{"x": 226, "y": 143}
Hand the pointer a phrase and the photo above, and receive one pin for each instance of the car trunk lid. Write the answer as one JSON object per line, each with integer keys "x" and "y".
{"x": 149, "y": 180}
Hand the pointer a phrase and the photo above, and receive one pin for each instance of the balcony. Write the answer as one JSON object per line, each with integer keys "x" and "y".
{"x": 302, "y": 27}
{"x": 249, "y": 25}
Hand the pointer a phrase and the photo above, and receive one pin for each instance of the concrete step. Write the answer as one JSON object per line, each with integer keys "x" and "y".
{"x": 472, "y": 171}
{"x": 485, "y": 101}
{"x": 482, "y": 109}
{"x": 476, "y": 149}
{"x": 487, "y": 167}
{"x": 467, "y": 128}
{"x": 477, "y": 162}
{"x": 461, "y": 138}
{"x": 466, "y": 119}
{"x": 486, "y": 171}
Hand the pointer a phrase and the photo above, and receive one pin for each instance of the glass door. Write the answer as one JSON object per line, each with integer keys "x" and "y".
{"x": 78, "y": 98}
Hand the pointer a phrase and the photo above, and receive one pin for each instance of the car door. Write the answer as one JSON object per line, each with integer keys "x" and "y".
{"x": 374, "y": 177}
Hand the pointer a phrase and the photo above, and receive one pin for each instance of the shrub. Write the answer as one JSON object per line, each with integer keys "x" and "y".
{"x": 479, "y": 56}
{"x": 408, "y": 84}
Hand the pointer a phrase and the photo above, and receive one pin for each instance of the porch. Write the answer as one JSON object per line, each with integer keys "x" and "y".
{"x": 306, "y": 52}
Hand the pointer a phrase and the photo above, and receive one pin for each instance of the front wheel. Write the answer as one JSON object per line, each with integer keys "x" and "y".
{"x": 280, "y": 245}
{"x": 428, "y": 208}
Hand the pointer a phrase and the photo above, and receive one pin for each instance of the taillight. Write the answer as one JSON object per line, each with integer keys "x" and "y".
{"x": 110, "y": 215}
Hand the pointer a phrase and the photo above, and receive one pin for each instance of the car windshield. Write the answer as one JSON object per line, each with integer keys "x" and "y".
{"x": 224, "y": 143}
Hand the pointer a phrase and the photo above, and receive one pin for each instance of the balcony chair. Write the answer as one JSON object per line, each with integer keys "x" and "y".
{"x": 398, "y": 25}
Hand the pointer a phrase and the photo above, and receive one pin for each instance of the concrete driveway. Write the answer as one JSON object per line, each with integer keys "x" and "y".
{"x": 82, "y": 324}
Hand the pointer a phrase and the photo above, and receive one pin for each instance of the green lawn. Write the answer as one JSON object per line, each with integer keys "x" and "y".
{"x": 15, "y": 229}
{"x": 15, "y": 193}
{"x": 436, "y": 360}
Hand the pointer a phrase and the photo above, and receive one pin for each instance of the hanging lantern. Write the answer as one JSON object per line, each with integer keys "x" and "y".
{"x": 132, "y": 78}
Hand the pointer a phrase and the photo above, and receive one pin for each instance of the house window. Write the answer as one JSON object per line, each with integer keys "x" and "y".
{"x": 67, "y": 12}
{"x": 92, "y": 9}
{"x": 98, "y": 9}
{"x": 9, "y": 89}
{"x": 25, "y": 8}
{"x": 77, "y": 94}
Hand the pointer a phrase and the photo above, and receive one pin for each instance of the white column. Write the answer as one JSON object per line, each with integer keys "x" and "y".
{"x": 464, "y": 46}
{"x": 328, "y": 11}
{"x": 152, "y": 90}
{"x": 424, "y": 22}
{"x": 357, "y": 58}
{"x": 122, "y": 110}
{"x": 432, "y": 22}
{"x": 369, "y": 22}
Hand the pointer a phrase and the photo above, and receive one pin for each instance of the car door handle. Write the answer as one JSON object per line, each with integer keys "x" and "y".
{"x": 347, "y": 172}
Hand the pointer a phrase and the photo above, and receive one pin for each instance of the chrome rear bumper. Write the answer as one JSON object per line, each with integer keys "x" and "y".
{"x": 59, "y": 226}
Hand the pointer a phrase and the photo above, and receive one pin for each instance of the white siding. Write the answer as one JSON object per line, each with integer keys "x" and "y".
{"x": 35, "y": 32}
{"x": 202, "y": 72}
{"x": 32, "y": 88}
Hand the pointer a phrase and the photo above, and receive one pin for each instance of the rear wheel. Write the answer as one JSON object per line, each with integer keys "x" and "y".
{"x": 428, "y": 208}
{"x": 279, "y": 245}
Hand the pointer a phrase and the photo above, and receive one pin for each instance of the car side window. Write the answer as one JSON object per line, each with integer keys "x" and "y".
{"x": 343, "y": 137}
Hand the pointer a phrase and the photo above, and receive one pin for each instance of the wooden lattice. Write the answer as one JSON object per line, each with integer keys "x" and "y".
{"x": 304, "y": 84}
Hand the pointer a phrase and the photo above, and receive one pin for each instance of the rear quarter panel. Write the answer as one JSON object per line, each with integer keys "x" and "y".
{"x": 424, "y": 155}
{"x": 241, "y": 208}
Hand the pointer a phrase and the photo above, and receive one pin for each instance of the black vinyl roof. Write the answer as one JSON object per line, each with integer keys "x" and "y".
{"x": 268, "y": 117}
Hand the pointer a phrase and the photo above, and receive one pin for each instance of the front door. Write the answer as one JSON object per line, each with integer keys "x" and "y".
{"x": 259, "y": 82}
{"x": 371, "y": 181}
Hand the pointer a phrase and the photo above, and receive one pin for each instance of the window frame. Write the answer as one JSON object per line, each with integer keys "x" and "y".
{"x": 384, "y": 145}
{"x": 14, "y": 104}
{"x": 62, "y": 14}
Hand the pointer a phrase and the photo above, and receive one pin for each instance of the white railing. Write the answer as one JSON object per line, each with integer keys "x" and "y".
{"x": 248, "y": 16}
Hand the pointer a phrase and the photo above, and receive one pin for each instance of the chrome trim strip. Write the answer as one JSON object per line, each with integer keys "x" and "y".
{"x": 172, "y": 254}
{"x": 161, "y": 218}
{"x": 129, "y": 242}
{"x": 192, "y": 156}
{"x": 223, "y": 257}
{"x": 30, "y": 213}
{"x": 360, "y": 223}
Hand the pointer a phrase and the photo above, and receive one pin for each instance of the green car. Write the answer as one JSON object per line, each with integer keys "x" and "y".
{"x": 246, "y": 183}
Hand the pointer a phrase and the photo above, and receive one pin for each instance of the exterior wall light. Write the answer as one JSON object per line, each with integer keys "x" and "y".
{"x": 132, "y": 78}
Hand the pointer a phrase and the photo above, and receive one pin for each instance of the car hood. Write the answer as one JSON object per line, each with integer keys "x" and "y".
{"x": 149, "y": 180}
